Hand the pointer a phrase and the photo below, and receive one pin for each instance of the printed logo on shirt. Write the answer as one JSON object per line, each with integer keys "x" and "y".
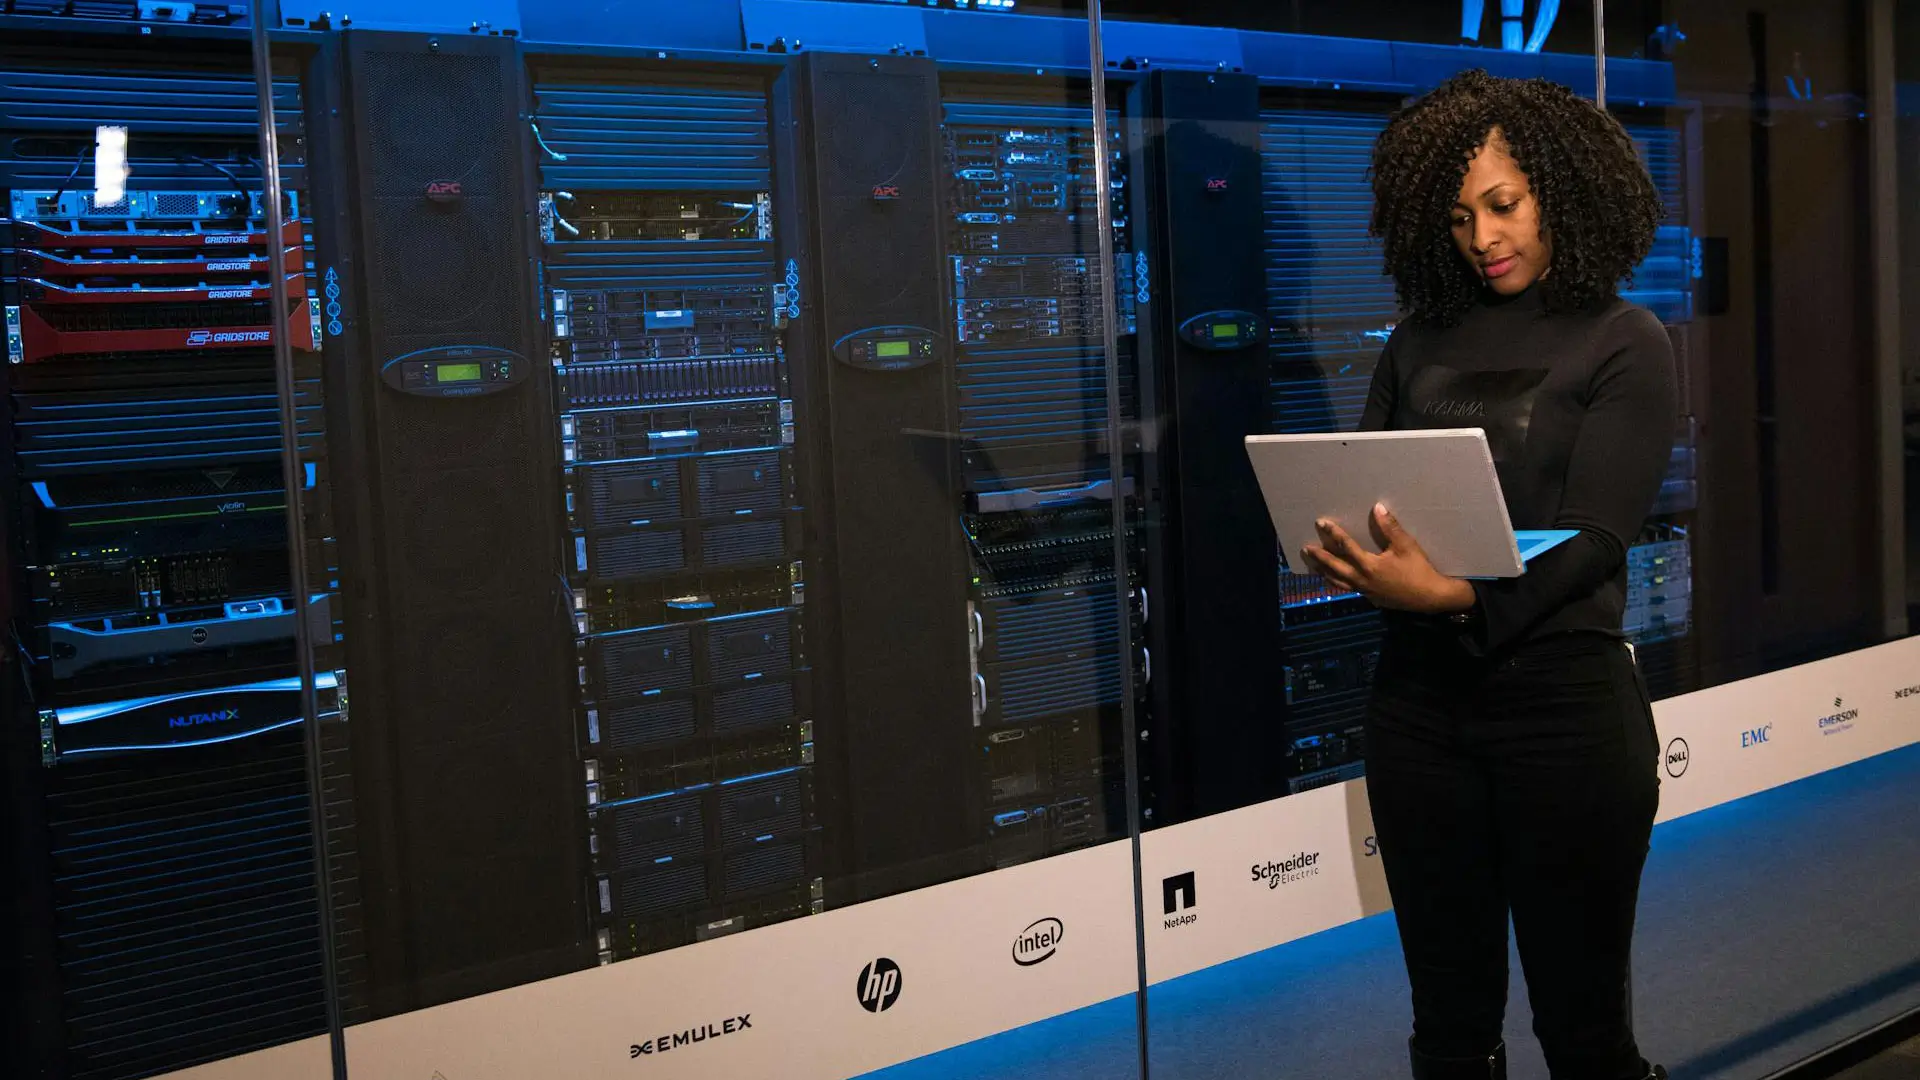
{"x": 1499, "y": 402}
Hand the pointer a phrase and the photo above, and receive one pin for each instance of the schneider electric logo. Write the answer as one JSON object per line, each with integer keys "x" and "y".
{"x": 1287, "y": 871}
{"x": 1841, "y": 719}
{"x": 1178, "y": 895}
{"x": 680, "y": 1040}
{"x": 1756, "y": 737}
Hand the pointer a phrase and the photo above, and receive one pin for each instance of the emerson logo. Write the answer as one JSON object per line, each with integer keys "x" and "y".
{"x": 879, "y": 985}
{"x": 1178, "y": 895}
{"x": 1841, "y": 719}
{"x": 1677, "y": 758}
{"x": 1287, "y": 871}
{"x": 661, "y": 1044}
{"x": 1038, "y": 942}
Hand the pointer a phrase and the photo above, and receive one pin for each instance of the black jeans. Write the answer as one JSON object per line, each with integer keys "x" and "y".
{"x": 1523, "y": 787}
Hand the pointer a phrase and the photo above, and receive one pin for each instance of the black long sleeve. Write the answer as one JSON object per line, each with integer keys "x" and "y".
{"x": 1579, "y": 412}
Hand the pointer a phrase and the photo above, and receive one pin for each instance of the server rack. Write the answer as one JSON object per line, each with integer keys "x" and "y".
{"x": 676, "y": 429}
{"x": 155, "y": 761}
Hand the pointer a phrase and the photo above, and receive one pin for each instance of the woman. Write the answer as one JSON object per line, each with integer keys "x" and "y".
{"x": 1511, "y": 753}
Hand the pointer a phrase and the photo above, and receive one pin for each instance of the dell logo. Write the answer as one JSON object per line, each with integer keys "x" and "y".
{"x": 1756, "y": 736}
{"x": 1677, "y": 758}
{"x": 1038, "y": 942}
{"x": 879, "y": 985}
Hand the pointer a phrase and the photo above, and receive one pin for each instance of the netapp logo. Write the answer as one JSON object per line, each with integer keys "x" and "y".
{"x": 196, "y": 719}
{"x": 1038, "y": 942}
{"x": 1678, "y": 758}
{"x": 1287, "y": 871}
{"x": 1906, "y": 692}
{"x": 1840, "y": 720}
{"x": 1177, "y": 894}
{"x": 1756, "y": 736}
{"x": 661, "y": 1044}
{"x": 879, "y": 985}
{"x": 229, "y": 337}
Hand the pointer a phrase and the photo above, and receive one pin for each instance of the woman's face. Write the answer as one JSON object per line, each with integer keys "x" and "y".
{"x": 1496, "y": 221}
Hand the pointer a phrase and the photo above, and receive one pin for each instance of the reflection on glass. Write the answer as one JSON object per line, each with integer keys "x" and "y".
{"x": 762, "y": 563}
{"x": 161, "y": 864}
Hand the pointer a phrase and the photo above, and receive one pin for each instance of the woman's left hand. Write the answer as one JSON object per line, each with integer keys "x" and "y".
{"x": 1400, "y": 577}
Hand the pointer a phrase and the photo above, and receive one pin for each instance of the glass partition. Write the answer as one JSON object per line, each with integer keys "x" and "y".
{"x": 1790, "y": 360}
{"x": 718, "y": 537}
{"x": 728, "y": 545}
{"x": 162, "y": 907}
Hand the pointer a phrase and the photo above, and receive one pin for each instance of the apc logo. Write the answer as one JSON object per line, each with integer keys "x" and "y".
{"x": 886, "y": 192}
{"x": 1177, "y": 894}
{"x": 196, "y": 719}
{"x": 1038, "y": 942}
{"x": 444, "y": 191}
{"x": 1678, "y": 758}
{"x": 1756, "y": 736}
{"x": 879, "y": 985}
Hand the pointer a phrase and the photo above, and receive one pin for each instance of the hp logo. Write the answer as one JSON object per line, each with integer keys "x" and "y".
{"x": 879, "y": 985}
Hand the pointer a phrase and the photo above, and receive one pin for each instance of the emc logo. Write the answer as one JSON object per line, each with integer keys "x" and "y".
{"x": 1756, "y": 736}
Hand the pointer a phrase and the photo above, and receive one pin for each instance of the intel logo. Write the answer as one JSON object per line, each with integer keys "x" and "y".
{"x": 1038, "y": 942}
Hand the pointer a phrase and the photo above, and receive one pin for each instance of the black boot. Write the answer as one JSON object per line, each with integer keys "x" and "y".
{"x": 1491, "y": 1066}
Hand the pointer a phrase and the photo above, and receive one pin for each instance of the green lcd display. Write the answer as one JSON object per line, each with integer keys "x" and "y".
{"x": 891, "y": 350}
{"x": 1225, "y": 330}
{"x": 456, "y": 373}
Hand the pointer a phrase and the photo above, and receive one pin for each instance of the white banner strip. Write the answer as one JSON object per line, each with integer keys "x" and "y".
{"x": 860, "y": 988}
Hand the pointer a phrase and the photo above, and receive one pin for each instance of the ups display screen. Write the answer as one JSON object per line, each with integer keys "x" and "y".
{"x": 891, "y": 350}
{"x": 446, "y": 373}
{"x": 1225, "y": 330}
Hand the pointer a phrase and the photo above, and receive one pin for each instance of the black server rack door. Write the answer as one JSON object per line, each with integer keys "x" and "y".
{"x": 887, "y": 566}
{"x": 1217, "y": 702}
{"x": 470, "y": 804}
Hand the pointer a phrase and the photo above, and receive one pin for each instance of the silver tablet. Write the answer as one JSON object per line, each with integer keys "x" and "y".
{"x": 1441, "y": 484}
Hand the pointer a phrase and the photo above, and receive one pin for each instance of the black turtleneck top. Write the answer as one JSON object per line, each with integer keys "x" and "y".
{"x": 1579, "y": 411}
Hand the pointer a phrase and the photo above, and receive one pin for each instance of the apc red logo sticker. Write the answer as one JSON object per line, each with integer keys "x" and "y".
{"x": 444, "y": 191}
{"x": 886, "y": 191}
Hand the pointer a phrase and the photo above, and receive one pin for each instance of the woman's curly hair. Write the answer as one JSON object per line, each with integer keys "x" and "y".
{"x": 1596, "y": 201}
